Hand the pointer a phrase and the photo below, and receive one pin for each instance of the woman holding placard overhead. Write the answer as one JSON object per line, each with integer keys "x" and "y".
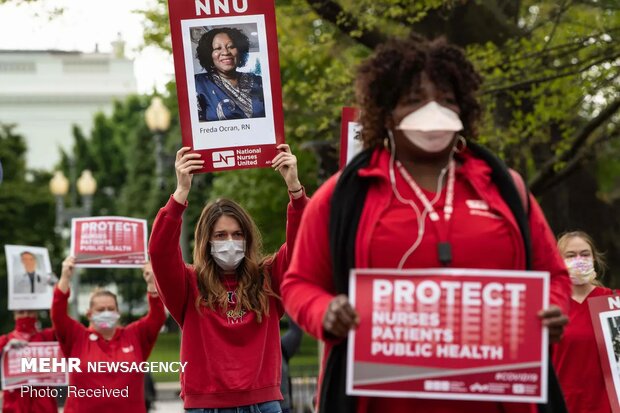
{"x": 576, "y": 356}
{"x": 421, "y": 195}
{"x": 227, "y": 303}
{"x": 105, "y": 341}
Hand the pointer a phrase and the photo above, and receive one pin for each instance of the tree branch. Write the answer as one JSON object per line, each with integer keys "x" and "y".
{"x": 546, "y": 172}
{"x": 347, "y": 23}
{"x": 535, "y": 81}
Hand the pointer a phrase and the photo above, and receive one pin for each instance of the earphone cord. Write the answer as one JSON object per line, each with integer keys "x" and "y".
{"x": 421, "y": 217}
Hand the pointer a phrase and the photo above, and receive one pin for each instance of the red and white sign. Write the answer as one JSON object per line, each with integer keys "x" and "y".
{"x": 109, "y": 242}
{"x": 350, "y": 135}
{"x": 230, "y": 107}
{"x": 449, "y": 334}
{"x": 14, "y": 375}
{"x": 605, "y": 313}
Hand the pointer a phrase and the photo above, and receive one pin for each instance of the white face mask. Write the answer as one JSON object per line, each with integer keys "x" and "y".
{"x": 228, "y": 254}
{"x": 581, "y": 270}
{"x": 105, "y": 319}
{"x": 431, "y": 127}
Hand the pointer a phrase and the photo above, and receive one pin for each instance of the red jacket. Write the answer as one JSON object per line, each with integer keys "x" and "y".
{"x": 232, "y": 360}
{"x": 12, "y": 400}
{"x": 576, "y": 360}
{"x": 308, "y": 285}
{"x": 132, "y": 343}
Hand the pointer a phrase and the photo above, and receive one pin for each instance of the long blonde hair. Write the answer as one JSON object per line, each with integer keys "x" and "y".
{"x": 254, "y": 283}
{"x": 597, "y": 256}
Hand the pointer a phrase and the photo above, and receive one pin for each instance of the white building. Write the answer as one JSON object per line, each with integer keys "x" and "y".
{"x": 45, "y": 92}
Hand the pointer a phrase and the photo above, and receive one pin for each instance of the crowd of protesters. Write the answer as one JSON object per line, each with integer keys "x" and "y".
{"x": 403, "y": 203}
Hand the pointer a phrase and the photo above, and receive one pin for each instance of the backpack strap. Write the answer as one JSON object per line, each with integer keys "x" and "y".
{"x": 521, "y": 189}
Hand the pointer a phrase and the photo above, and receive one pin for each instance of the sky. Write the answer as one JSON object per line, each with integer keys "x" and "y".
{"x": 85, "y": 25}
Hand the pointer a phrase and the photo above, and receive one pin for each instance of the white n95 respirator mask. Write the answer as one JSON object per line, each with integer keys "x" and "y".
{"x": 431, "y": 127}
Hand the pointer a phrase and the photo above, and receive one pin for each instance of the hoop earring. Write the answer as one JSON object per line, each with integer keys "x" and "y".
{"x": 463, "y": 144}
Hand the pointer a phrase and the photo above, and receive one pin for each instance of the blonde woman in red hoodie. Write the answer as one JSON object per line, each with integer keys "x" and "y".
{"x": 227, "y": 303}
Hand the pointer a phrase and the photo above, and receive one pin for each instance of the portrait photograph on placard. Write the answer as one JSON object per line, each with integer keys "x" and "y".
{"x": 228, "y": 81}
{"x": 610, "y": 325}
{"x": 30, "y": 277}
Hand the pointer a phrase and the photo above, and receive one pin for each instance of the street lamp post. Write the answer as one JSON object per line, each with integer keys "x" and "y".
{"x": 157, "y": 117}
{"x": 86, "y": 187}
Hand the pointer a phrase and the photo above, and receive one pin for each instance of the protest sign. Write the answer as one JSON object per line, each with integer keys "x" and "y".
{"x": 605, "y": 313}
{"x": 30, "y": 277}
{"x": 15, "y": 375}
{"x": 109, "y": 242}
{"x": 228, "y": 80}
{"x": 459, "y": 334}
{"x": 350, "y": 135}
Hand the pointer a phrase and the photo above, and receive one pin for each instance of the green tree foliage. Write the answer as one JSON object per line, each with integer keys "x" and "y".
{"x": 119, "y": 152}
{"x": 26, "y": 209}
{"x": 550, "y": 95}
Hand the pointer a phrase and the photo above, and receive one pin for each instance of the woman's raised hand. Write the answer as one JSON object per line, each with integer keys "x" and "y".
{"x": 68, "y": 266}
{"x": 184, "y": 164}
{"x": 286, "y": 163}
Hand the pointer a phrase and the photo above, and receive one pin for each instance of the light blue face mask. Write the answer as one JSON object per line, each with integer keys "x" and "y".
{"x": 105, "y": 319}
{"x": 228, "y": 254}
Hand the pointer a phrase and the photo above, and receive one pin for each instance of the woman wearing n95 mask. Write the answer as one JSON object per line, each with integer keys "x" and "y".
{"x": 576, "y": 357}
{"x": 227, "y": 303}
{"x": 430, "y": 202}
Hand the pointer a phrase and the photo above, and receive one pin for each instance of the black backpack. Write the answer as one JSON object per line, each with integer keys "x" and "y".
{"x": 346, "y": 208}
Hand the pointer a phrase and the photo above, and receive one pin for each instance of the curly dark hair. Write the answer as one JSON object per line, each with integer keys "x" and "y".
{"x": 395, "y": 69}
{"x": 205, "y": 46}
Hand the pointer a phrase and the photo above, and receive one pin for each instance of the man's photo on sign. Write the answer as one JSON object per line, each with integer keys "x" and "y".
{"x": 613, "y": 323}
{"x": 227, "y": 69}
{"x": 30, "y": 277}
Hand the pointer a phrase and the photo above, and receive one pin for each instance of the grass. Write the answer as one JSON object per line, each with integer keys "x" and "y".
{"x": 304, "y": 363}
{"x": 166, "y": 349}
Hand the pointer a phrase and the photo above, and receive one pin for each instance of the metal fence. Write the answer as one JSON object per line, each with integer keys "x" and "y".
{"x": 304, "y": 382}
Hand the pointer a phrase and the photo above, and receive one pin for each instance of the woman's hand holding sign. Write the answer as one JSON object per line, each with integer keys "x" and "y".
{"x": 554, "y": 320}
{"x": 185, "y": 164}
{"x": 340, "y": 317}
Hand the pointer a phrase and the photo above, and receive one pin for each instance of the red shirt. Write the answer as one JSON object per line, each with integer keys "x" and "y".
{"x": 12, "y": 400}
{"x": 132, "y": 343}
{"x": 232, "y": 359}
{"x": 486, "y": 236}
{"x": 577, "y": 363}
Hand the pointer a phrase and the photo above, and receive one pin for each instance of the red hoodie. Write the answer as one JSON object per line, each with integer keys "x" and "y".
{"x": 232, "y": 360}
{"x": 482, "y": 238}
{"x": 13, "y": 401}
{"x": 576, "y": 360}
{"x": 132, "y": 343}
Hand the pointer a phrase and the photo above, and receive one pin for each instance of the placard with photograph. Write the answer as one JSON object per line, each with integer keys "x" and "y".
{"x": 350, "y": 135}
{"x": 109, "y": 242}
{"x": 228, "y": 81}
{"x": 30, "y": 278}
{"x": 605, "y": 313}
{"x": 14, "y": 375}
{"x": 460, "y": 334}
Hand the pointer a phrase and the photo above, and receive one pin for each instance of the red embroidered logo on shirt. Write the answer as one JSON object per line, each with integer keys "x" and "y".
{"x": 235, "y": 317}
